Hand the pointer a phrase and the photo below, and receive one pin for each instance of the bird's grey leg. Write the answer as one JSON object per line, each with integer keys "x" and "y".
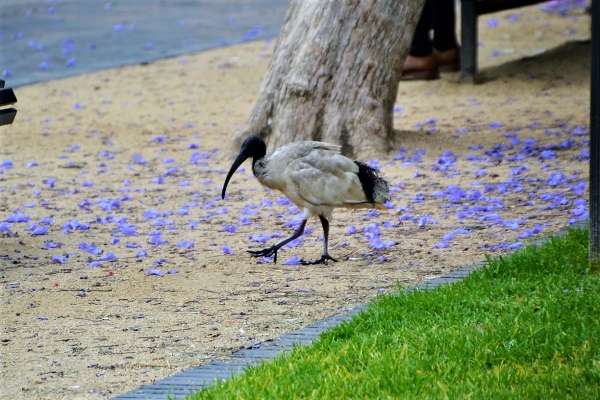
{"x": 272, "y": 251}
{"x": 325, "y": 256}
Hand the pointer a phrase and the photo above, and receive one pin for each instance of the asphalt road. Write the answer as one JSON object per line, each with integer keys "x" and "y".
{"x": 48, "y": 39}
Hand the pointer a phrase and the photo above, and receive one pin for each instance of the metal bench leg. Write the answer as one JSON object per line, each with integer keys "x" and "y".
{"x": 468, "y": 45}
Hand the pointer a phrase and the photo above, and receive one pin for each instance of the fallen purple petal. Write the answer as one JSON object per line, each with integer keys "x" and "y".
{"x": 295, "y": 260}
{"x": 227, "y": 249}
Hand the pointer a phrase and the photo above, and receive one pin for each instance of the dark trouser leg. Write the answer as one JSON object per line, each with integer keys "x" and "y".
{"x": 421, "y": 45}
{"x": 444, "y": 25}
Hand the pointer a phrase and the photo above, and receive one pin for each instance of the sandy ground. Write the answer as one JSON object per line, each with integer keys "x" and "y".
{"x": 109, "y": 157}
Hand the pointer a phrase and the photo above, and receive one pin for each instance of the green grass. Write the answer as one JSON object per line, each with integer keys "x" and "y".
{"x": 527, "y": 326}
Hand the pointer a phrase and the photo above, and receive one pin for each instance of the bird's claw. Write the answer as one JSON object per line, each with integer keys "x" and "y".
{"x": 268, "y": 252}
{"x": 322, "y": 260}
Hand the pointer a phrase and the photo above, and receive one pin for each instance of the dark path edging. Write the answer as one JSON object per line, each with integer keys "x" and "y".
{"x": 191, "y": 380}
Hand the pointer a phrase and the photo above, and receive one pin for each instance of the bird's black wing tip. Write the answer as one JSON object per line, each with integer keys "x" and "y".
{"x": 369, "y": 178}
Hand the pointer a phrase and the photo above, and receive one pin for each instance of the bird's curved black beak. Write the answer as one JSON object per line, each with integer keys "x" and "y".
{"x": 243, "y": 156}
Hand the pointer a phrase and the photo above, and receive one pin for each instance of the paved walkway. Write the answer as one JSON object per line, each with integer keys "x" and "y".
{"x": 48, "y": 39}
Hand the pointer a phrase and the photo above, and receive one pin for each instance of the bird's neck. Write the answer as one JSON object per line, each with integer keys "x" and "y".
{"x": 259, "y": 166}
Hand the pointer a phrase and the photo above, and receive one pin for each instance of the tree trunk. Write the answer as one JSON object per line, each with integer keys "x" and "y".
{"x": 334, "y": 75}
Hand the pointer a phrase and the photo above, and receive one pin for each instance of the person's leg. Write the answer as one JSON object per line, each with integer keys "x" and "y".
{"x": 444, "y": 35}
{"x": 421, "y": 64}
{"x": 422, "y": 45}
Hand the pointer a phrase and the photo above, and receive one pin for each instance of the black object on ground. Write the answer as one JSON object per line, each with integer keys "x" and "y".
{"x": 7, "y": 98}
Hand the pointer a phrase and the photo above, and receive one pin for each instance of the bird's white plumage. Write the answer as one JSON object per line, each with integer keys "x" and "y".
{"x": 331, "y": 177}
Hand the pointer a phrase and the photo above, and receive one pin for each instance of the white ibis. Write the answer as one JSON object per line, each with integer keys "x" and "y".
{"x": 317, "y": 179}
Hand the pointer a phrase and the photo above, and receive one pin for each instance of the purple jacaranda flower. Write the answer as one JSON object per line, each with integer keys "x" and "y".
{"x": 158, "y": 180}
{"x": 137, "y": 159}
{"x": 130, "y": 245}
{"x": 160, "y": 262}
{"x": 250, "y": 209}
{"x": 50, "y": 244}
{"x": 579, "y": 211}
{"x": 442, "y": 245}
{"x": 245, "y": 220}
{"x": 151, "y": 214}
{"x": 94, "y": 264}
{"x": 183, "y": 211}
{"x": 87, "y": 184}
{"x": 556, "y": 179}
{"x": 490, "y": 217}
{"x": 46, "y": 221}
{"x": 185, "y": 183}
{"x": 372, "y": 229}
{"x": 193, "y": 224}
{"x": 59, "y": 259}
{"x": 154, "y": 271}
{"x": 90, "y": 248}
{"x": 377, "y": 244}
{"x": 172, "y": 272}
{"x": 108, "y": 204}
{"x": 448, "y": 236}
{"x": 158, "y": 139}
{"x": 4, "y": 226}
{"x": 18, "y": 216}
{"x": 294, "y": 222}
{"x": 186, "y": 244}
{"x": 372, "y": 213}
{"x": 516, "y": 245}
{"x": 426, "y": 219}
{"x": 163, "y": 222}
{"x": 227, "y": 249}
{"x": 229, "y": 228}
{"x": 142, "y": 253}
{"x": 297, "y": 242}
{"x": 193, "y": 146}
{"x": 171, "y": 172}
{"x": 512, "y": 224}
{"x": 262, "y": 238}
{"x": 283, "y": 201}
{"x": 208, "y": 206}
{"x": 127, "y": 230}
{"x": 40, "y": 230}
{"x": 109, "y": 256}
{"x": 525, "y": 234}
{"x": 374, "y": 163}
{"x": 155, "y": 239}
{"x": 461, "y": 231}
{"x": 295, "y": 260}
{"x": 266, "y": 203}
{"x": 115, "y": 240}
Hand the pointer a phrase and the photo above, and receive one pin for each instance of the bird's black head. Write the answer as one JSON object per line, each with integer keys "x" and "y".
{"x": 253, "y": 147}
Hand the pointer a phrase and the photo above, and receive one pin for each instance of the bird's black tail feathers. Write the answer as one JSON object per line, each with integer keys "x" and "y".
{"x": 375, "y": 188}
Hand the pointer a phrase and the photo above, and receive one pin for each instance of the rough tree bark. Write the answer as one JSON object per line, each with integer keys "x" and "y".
{"x": 334, "y": 75}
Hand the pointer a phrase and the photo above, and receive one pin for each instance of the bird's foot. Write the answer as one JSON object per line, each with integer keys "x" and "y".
{"x": 322, "y": 260}
{"x": 268, "y": 252}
